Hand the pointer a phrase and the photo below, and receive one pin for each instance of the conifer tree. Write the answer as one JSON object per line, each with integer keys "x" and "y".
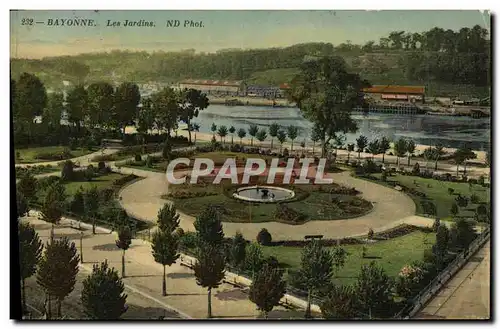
{"x": 124, "y": 241}
{"x": 209, "y": 270}
{"x": 53, "y": 205}
{"x": 209, "y": 227}
{"x": 340, "y": 304}
{"x": 238, "y": 250}
{"x": 168, "y": 218}
{"x": 267, "y": 289}
{"x": 91, "y": 205}
{"x": 30, "y": 251}
{"x": 58, "y": 269}
{"x": 164, "y": 248}
{"x": 103, "y": 295}
{"x": 21, "y": 204}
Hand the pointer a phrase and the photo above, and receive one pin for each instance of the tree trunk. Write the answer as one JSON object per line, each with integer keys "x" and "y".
{"x": 93, "y": 225}
{"x": 123, "y": 263}
{"x": 23, "y": 291}
{"x": 209, "y": 315}
{"x": 49, "y": 307}
{"x": 436, "y": 165}
{"x": 397, "y": 161}
{"x": 359, "y": 155}
{"x": 264, "y": 313}
{"x": 52, "y": 234}
{"x": 272, "y": 140}
{"x": 231, "y": 139}
{"x": 58, "y": 303}
{"x": 409, "y": 157}
{"x": 195, "y": 137}
{"x": 457, "y": 169}
{"x": 313, "y": 147}
{"x": 164, "y": 285}
{"x": 383, "y": 158}
{"x": 189, "y": 130}
{"x": 348, "y": 156}
{"x": 465, "y": 168}
{"x": 291, "y": 148}
{"x": 308, "y": 308}
{"x": 251, "y": 141}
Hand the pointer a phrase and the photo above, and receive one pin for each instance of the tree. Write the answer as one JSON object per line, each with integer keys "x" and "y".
{"x": 192, "y": 102}
{"x": 254, "y": 258}
{"x": 166, "y": 106}
{"x": 67, "y": 171}
{"x": 438, "y": 153}
{"x": 164, "y": 248}
{"x": 440, "y": 248}
{"x": 350, "y": 148}
{"x": 30, "y": 100}
{"x": 273, "y": 132}
{"x": 339, "y": 255}
{"x": 261, "y": 136}
{"x": 410, "y": 149}
{"x": 58, "y": 269}
{"x": 315, "y": 135}
{"x": 252, "y": 131}
{"x": 222, "y": 132}
{"x": 462, "y": 233}
{"x": 231, "y": 131}
{"x": 21, "y": 205}
{"x": 209, "y": 228}
{"x": 316, "y": 269}
{"x": 27, "y": 186}
{"x": 53, "y": 205}
{"x": 400, "y": 149}
{"x": 373, "y": 288}
{"x": 281, "y": 138}
{"x": 168, "y": 218}
{"x": 384, "y": 145}
{"x": 196, "y": 128}
{"x": 292, "y": 133}
{"x": 361, "y": 143}
{"x": 51, "y": 117}
{"x": 101, "y": 110}
{"x": 338, "y": 142}
{"x": 103, "y": 296}
{"x": 77, "y": 106}
{"x": 326, "y": 93}
{"x": 374, "y": 148}
{"x": 409, "y": 281}
{"x": 209, "y": 270}
{"x": 340, "y": 304}
{"x": 124, "y": 241}
{"x": 77, "y": 205}
{"x": 267, "y": 288}
{"x": 241, "y": 134}
{"x": 126, "y": 101}
{"x": 213, "y": 128}
{"x": 91, "y": 205}
{"x": 461, "y": 156}
{"x": 30, "y": 251}
{"x": 238, "y": 251}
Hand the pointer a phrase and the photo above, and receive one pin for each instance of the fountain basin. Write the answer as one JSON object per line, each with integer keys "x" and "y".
{"x": 263, "y": 194}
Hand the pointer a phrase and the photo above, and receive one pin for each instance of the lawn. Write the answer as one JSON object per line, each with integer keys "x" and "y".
{"x": 29, "y": 155}
{"x": 437, "y": 192}
{"x": 313, "y": 201}
{"x": 391, "y": 254}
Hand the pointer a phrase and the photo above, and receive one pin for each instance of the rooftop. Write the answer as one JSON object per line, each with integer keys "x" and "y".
{"x": 212, "y": 82}
{"x": 395, "y": 89}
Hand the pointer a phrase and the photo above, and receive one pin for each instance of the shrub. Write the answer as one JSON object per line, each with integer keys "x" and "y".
{"x": 451, "y": 191}
{"x": 18, "y": 155}
{"x": 67, "y": 173}
{"x": 106, "y": 194}
{"x": 370, "y": 233}
{"x": 179, "y": 232}
{"x": 138, "y": 158}
{"x": 101, "y": 166}
{"x": 480, "y": 181}
{"x": 474, "y": 198}
{"x": 89, "y": 173}
{"x": 45, "y": 182}
{"x": 73, "y": 143}
{"x": 462, "y": 201}
{"x": 384, "y": 176}
{"x": 149, "y": 162}
{"x": 435, "y": 225}
{"x": 416, "y": 169}
{"x": 264, "y": 237}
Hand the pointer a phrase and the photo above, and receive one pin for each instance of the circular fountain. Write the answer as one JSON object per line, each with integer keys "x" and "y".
{"x": 263, "y": 194}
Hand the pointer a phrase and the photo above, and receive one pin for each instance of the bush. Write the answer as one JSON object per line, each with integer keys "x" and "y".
{"x": 264, "y": 237}
{"x": 416, "y": 169}
{"x": 138, "y": 157}
{"x": 18, "y": 155}
{"x": 451, "y": 191}
{"x": 474, "y": 199}
{"x": 124, "y": 180}
{"x": 106, "y": 194}
{"x": 101, "y": 166}
{"x": 45, "y": 182}
{"x": 89, "y": 173}
{"x": 462, "y": 201}
{"x": 370, "y": 233}
{"x": 179, "y": 232}
{"x": 435, "y": 225}
{"x": 480, "y": 181}
{"x": 73, "y": 143}
{"x": 54, "y": 156}
{"x": 384, "y": 176}
{"x": 67, "y": 172}
{"x": 149, "y": 162}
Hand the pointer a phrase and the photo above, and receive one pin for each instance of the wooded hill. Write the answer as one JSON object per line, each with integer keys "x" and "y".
{"x": 448, "y": 63}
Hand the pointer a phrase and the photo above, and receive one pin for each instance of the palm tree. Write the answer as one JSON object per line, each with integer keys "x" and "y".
{"x": 273, "y": 132}
{"x": 410, "y": 149}
{"x": 195, "y": 128}
{"x": 400, "y": 149}
{"x": 438, "y": 153}
{"x": 252, "y": 131}
{"x": 213, "y": 128}
{"x": 292, "y": 132}
{"x": 222, "y": 132}
{"x": 241, "y": 134}
{"x": 261, "y": 136}
{"x": 231, "y": 131}
{"x": 281, "y": 138}
{"x": 350, "y": 148}
{"x": 362, "y": 143}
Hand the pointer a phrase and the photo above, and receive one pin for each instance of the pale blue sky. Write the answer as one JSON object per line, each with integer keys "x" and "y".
{"x": 222, "y": 29}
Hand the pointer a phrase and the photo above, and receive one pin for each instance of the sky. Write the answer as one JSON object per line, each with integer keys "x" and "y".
{"x": 221, "y": 29}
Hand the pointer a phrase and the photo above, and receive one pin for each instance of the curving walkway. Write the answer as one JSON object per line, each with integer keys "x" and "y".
{"x": 142, "y": 200}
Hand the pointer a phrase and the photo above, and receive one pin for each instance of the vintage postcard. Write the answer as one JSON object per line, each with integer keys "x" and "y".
{"x": 251, "y": 165}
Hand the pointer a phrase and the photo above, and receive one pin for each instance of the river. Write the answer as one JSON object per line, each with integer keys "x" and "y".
{"x": 423, "y": 129}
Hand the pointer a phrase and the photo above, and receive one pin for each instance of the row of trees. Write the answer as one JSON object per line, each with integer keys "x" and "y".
{"x": 57, "y": 266}
{"x": 101, "y": 106}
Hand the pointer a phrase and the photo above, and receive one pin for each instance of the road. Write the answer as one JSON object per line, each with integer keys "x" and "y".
{"x": 467, "y": 294}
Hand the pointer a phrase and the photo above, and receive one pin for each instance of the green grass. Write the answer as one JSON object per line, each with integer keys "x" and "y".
{"x": 391, "y": 255}
{"x": 28, "y": 155}
{"x": 100, "y": 182}
{"x": 437, "y": 192}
